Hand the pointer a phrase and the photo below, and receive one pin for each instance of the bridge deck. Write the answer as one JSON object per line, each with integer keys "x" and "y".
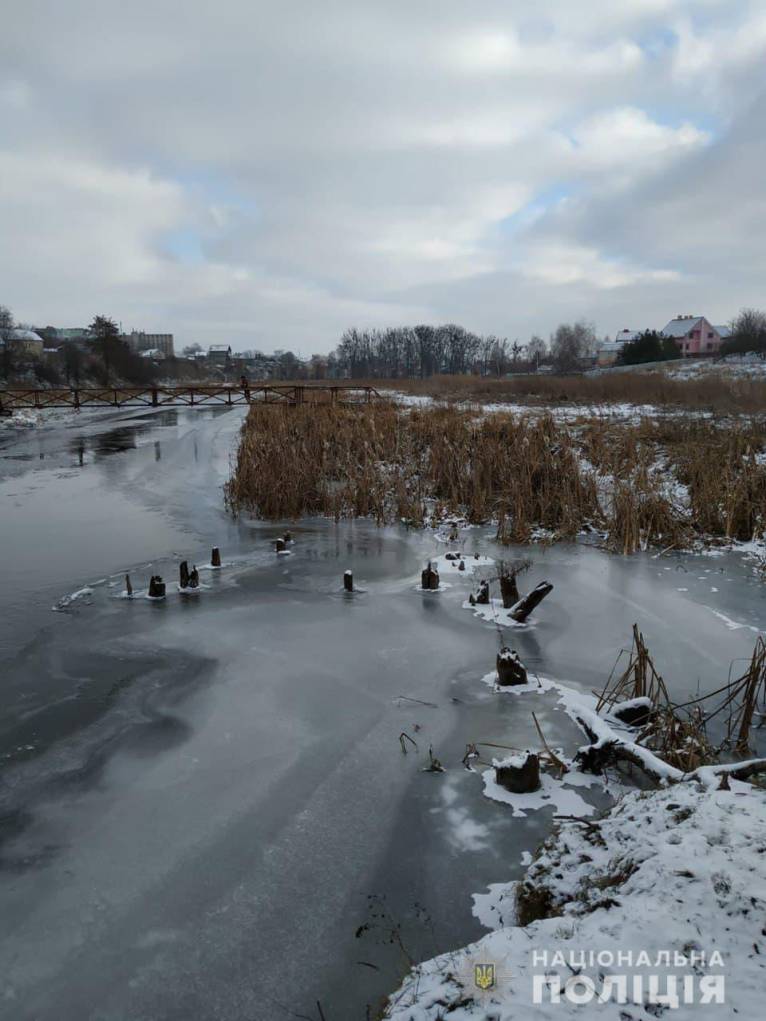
{"x": 18, "y": 398}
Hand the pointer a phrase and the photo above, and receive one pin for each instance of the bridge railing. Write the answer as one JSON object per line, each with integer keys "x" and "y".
{"x": 18, "y": 398}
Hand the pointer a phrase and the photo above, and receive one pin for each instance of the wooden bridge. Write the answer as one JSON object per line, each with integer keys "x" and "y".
{"x": 215, "y": 395}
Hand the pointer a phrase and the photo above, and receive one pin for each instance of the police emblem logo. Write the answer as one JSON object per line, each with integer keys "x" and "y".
{"x": 484, "y": 975}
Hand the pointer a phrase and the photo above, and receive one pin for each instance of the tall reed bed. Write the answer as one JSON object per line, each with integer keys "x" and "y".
{"x": 379, "y": 462}
{"x": 655, "y": 483}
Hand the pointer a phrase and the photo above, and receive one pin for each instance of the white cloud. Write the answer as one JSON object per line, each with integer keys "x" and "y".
{"x": 341, "y": 162}
{"x": 561, "y": 263}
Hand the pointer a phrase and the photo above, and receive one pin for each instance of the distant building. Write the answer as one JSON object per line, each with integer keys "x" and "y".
{"x": 25, "y": 343}
{"x": 72, "y": 333}
{"x": 609, "y": 351}
{"x": 139, "y": 342}
{"x": 258, "y": 366}
{"x": 156, "y": 354}
{"x": 219, "y": 354}
{"x": 695, "y": 335}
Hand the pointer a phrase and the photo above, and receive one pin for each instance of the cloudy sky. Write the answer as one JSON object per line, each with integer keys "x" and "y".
{"x": 269, "y": 173}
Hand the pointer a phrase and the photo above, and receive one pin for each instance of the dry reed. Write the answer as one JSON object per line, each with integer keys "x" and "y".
{"x": 654, "y": 483}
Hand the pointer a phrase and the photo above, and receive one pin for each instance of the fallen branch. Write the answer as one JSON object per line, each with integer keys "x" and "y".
{"x": 551, "y": 754}
{"x": 406, "y": 698}
{"x": 406, "y": 737}
{"x": 578, "y": 818}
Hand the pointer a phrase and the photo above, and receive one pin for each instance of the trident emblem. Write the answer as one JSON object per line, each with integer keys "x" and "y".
{"x": 484, "y": 975}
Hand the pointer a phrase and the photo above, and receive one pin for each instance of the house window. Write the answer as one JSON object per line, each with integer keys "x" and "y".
{"x": 695, "y": 334}
{"x": 710, "y": 336}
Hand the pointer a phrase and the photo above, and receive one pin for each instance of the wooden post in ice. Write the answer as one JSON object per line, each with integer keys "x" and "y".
{"x": 194, "y": 577}
{"x": 215, "y": 557}
{"x": 184, "y": 574}
{"x": 128, "y": 586}
{"x": 288, "y": 536}
{"x": 429, "y": 578}
{"x": 156, "y": 587}
{"x": 524, "y": 607}
{"x": 510, "y": 669}
{"x": 348, "y": 581}
{"x": 280, "y": 545}
{"x": 509, "y": 590}
{"x": 482, "y": 596}
{"x": 519, "y": 774}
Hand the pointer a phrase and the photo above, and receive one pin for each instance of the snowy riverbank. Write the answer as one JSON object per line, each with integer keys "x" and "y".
{"x": 658, "y": 904}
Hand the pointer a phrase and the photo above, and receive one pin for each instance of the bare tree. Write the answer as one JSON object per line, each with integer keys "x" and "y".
{"x": 570, "y": 344}
{"x": 748, "y": 333}
{"x": 6, "y": 321}
{"x": 537, "y": 350}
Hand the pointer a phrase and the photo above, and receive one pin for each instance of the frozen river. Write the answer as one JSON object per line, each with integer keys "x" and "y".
{"x": 198, "y": 798}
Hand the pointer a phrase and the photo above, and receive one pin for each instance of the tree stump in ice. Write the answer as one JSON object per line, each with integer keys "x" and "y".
{"x": 128, "y": 586}
{"x": 509, "y": 591}
{"x": 194, "y": 578}
{"x": 288, "y": 536}
{"x": 215, "y": 557}
{"x": 348, "y": 581}
{"x": 482, "y": 596}
{"x": 519, "y": 774}
{"x": 280, "y": 545}
{"x": 510, "y": 669}
{"x": 524, "y": 607}
{"x": 461, "y": 565}
{"x": 429, "y": 578}
{"x": 156, "y": 587}
{"x": 184, "y": 574}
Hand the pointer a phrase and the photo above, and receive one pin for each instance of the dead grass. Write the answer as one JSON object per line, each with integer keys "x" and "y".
{"x": 524, "y": 472}
{"x": 716, "y": 393}
{"x": 384, "y": 464}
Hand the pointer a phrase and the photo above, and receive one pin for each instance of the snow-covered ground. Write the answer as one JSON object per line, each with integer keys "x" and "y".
{"x": 664, "y": 876}
{"x": 614, "y": 412}
{"x": 743, "y": 366}
{"x": 19, "y": 420}
{"x": 658, "y": 905}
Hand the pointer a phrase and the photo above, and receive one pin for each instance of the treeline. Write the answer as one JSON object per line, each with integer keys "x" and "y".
{"x": 420, "y": 351}
{"x": 748, "y": 334}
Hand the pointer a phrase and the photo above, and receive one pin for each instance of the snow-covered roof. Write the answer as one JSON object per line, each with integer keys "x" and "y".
{"x": 219, "y": 347}
{"x": 625, "y": 335}
{"x": 25, "y": 335}
{"x": 724, "y": 331}
{"x": 681, "y": 326}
